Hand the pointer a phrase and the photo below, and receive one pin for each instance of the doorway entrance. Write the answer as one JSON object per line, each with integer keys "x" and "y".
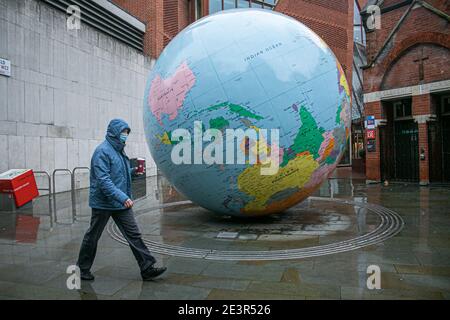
{"x": 439, "y": 141}
{"x": 406, "y": 139}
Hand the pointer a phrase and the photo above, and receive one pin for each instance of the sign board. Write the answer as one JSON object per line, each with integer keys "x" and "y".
{"x": 371, "y": 145}
{"x": 370, "y": 122}
{"x": 5, "y": 67}
{"x": 370, "y": 133}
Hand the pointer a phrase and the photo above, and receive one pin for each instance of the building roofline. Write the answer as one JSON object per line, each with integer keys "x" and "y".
{"x": 107, "y": 18}
{"x": 426, "y": 5}
{"x": 120, "y": 13}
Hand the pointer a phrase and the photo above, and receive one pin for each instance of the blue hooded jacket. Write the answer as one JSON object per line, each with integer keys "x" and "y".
{"x": 110, "y": 178}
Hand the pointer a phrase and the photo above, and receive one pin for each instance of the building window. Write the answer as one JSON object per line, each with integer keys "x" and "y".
{"x": 402, "y": 109}
{"x": 359, "y": 35}
{"x": 198, "y": 9}
{"x": 243, "y": 4}
{"x": 218, "y": 5}
{"x": 446, "y": 105}
{"x": 215, "y": 6}
{"x": 257, "y": 4}
{"x": 229, "y": 4}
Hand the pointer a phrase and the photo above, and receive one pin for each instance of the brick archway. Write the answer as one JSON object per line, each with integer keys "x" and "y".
{"x": 403, "y": 46}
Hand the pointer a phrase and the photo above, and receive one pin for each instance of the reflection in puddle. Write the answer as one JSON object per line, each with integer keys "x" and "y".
{"x": 188, "y": 224}
{"x": 306, "y": 222}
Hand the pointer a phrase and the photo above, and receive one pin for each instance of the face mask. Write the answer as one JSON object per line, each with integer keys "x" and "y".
{"x": 123, "y": 137}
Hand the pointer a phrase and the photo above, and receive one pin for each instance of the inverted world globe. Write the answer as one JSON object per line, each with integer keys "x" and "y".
{"x": 247, "y": 112}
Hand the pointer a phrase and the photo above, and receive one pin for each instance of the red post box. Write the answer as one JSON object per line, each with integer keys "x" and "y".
{"x": 21, "y": 184}
{"x": 140, "y": 165}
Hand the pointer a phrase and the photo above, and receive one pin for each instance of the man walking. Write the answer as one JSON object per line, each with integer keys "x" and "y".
{"x": 110, "y": 196}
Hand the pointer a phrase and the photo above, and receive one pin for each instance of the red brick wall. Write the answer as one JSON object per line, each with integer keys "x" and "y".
{"x": 163, "y": 18}
{"x": 419, "y": 20}
{"x": 150, "y": 13}
{"x": 137, "y": 8}
{"x": 421, "y": 26}
{"x": 185, "y": 14}
{"x": 421, "y": 104}
{"x": 405, "y": 71}
{"x": 331, "y": 20}
{"x": 170, "y": 20}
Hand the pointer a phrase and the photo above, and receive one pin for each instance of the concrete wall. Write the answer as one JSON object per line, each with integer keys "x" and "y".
{"x": 65, "y": 87}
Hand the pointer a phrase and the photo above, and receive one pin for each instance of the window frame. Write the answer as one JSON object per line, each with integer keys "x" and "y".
{"x": 262, "y": 3}
{"x": 443, "y": 111}
{"x": 403, "y": 104}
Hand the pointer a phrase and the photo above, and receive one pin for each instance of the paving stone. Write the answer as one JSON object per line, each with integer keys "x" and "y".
{"x": 425, "y": 270}
{"x": 414, "y": 264}
{"x": 102, "y": 285}
{"x": 221, "y": 294}
{"x": 351, "y": 293}
{"x": 206, "y": 282}
{"x": 242, "y": 272}
{"x": 23, "y": 291}
{"x": 155, "y": 290}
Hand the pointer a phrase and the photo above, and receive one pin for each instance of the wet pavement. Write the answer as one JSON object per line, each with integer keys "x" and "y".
{"x": 37, "y": 244}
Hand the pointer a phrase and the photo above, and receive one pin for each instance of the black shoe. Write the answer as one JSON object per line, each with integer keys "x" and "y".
{"x": 152, "y": 273}
{"x": 86, "y": 275}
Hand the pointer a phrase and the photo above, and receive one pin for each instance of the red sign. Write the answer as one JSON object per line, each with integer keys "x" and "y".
{"x": 21, "y": 184}
{"x": 141, "y": 165}
{"x": 370, "y": 134}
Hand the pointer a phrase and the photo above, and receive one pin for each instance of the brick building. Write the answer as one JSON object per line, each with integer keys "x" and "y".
{"x": 407, "y": 90}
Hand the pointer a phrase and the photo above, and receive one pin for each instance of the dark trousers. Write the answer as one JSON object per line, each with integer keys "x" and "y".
{"x": 127, "y": 225}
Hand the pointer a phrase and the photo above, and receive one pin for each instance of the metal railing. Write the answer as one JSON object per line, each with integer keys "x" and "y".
{"x": 49, "y": 189}
{"x": 74, "y": 171}
{"x": 73, "y": 189}
{"x": 52, "y": 190}
{"x": 54, "y": 193}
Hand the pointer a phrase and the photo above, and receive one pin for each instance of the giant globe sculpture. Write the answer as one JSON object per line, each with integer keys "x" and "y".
{"x": 247, "y": 112}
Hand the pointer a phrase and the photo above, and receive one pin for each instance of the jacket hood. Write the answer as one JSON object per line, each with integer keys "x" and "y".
{"x": 115, "y": 127}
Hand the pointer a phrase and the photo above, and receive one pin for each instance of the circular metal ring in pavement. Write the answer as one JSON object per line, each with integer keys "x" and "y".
{"x": 390, "y": 224}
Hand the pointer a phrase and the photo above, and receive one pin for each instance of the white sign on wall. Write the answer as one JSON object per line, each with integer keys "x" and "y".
{"x": 5, "y": 67}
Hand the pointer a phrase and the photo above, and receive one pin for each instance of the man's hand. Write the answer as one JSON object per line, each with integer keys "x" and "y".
{"x": 128, "y": 204}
